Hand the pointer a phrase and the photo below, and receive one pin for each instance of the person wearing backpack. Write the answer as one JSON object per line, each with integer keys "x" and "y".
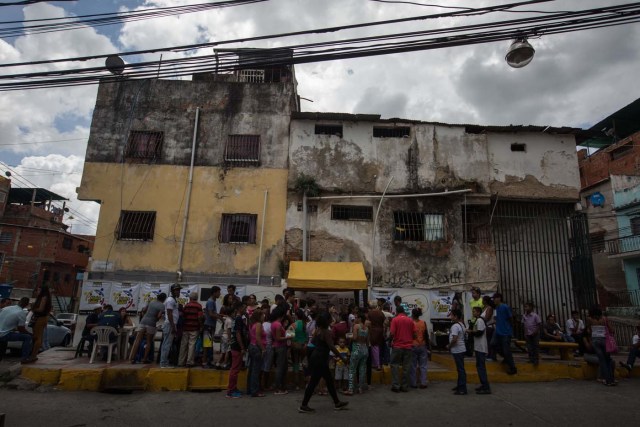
{"x": 457, "y": 348}
{"x": 481, "y": 349}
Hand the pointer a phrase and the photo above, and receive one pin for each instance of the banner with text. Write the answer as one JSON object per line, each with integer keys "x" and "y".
{"x": 125, "y": 296}
{"x": 440, "y": 303}
{"x": 150, "y": 292}
{"x": 94, "y": 293}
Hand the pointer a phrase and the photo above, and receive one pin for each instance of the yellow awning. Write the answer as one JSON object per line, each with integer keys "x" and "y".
{"x": 326, "y": 276}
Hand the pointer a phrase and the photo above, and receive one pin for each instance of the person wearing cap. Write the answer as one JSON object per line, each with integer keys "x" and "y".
{"x": 171, "y": 316}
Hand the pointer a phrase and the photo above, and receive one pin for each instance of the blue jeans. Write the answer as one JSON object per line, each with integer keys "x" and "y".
{"x": 481, "y": 367}
{"x": 401, "y": 358}
{"x": 503, "y": 342}
{"x": 281, "y": 368}
{"x": 462, "y": 374}
{"x": 255, "y": 367}
{"x": 419, "y": 361}
{"x": 635, "y": 352}
{"x": 604, "y": 359}
{"x": 26, "y": 339}
{"x": 167, "y": 342}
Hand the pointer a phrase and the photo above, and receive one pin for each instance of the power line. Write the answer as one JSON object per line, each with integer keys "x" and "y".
{"x": 227, "y": 60}
{"x": 28, "y": 2}
{"x": 111, "y": 18}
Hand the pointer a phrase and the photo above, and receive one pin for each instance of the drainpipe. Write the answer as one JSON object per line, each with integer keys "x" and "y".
{"x": 375, "y": 222}
{"x": 188, "y": 202}
{"x": 264, "y": 219}
{"x": 304, "y": 226}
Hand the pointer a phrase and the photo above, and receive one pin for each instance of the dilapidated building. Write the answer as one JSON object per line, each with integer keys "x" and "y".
{"x": 440, "y": 206}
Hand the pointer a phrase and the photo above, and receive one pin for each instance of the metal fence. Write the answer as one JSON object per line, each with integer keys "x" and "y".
{"x": 624, "y": 298}
{"x": 623, "y": 332}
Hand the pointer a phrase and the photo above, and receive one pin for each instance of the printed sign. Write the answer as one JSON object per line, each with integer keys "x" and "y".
{"x": 149, "y": 292}
{"x": 94, "y": 293}
{"x": 440, "y": 303}
{"x": 185, "y": 291}
{"x": 125, "y": 296}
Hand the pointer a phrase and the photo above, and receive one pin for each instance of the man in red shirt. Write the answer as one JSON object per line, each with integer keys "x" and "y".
{"x": 402, "y": 334}
{"x": 193, "y": 319}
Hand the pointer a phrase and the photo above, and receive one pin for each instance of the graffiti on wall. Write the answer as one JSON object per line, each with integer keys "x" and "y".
{"x": 406, "y": 279}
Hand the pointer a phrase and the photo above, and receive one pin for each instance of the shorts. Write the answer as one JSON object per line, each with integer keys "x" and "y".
{"x": 267, "y": 359}
{"x": 342, "y": 373}
{"x": 150, "y": 330}
{"x": 224, "y": 345}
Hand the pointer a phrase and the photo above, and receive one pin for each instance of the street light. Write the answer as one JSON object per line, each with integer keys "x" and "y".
{"x": 520, "y": 53}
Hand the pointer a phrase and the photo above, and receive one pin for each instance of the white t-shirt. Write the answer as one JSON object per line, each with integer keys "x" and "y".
{"x": 171, "y": 304}
{"x": 480, "y": 343}
{"x": 635, "y": 340}
{"x": 457, "y": 330}
{"x": 266, "y": 330}
{"x": 571, "y": 324}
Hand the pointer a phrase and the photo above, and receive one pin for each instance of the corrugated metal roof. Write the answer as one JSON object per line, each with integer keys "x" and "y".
{"x": 25, "y": 195}
{"x": 469, "y": 128}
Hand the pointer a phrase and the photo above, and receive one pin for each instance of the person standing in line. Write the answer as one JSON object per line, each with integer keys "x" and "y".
{"x": 267, "y": 356}
{"x": 597, "y": 330}
{"x": 211, "y": 317}
{"x": 480, "y": 348}
{"x": 532, "y": 322}
{"x": 377, "y": 318}
{"x": 490, "y": 322}
{"x": 230, "y": 297}
{"x": 257, "y": 346}
{"x": 319, "y": 364}
{"x": 169, "y": 329}
{"x": 147, "y": 328}
{"x": 457, "y": 348}
{"x": 193, "y": 319}
{"x": 420, "y": 340}
{"x": 359, "y": 354}
{"x": 238, "y": 344}
{"x": 402, "y": 333}
{"x": 476, "y": 301}
{"x": 279, "y": 337}
{"x": 41, "y": 309}
{"x": 504, "y": 332}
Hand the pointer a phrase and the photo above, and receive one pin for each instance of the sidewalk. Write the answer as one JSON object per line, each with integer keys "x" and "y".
{"x": 58, "y": 368}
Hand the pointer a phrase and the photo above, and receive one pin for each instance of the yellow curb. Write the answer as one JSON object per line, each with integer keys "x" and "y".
{"x": 167, "y": 379}
{"x": 46, "y": 376}
{"x": 80, "y": 379}
{"x": 124, "y": 378}
{"x": 208, "y": 379}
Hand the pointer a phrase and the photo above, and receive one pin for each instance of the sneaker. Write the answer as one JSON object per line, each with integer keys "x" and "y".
{"x": 306, "y": 410}
{"x": 483, "y": 391}
{"x": 460, "y": 393}
{"x": 234, "y": 395}
{"x": 340, "y": 406}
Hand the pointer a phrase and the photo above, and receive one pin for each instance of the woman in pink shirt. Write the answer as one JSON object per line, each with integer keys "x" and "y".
{"x": 257, "y": 343}
{"x": 279, "y": 349}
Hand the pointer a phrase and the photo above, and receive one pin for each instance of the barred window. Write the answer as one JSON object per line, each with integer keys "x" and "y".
{"x": 5, "y": 238}
{"x": 136, "y": 225}
{"x": 597, "y": 242}
{"x": 144, "y": 145}
{"x": 242, "y": 150}
{"x": 251, "y": 76}
{"x": 351, "y": 213}
{"x": 418, "y": 227}
{"x": 328, "y": 130}
{"x": 391, "y": 132}
{"x": 238, "y": 228}
{"x": 67, "y": 243}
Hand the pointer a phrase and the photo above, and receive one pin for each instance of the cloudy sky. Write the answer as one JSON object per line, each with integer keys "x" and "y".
{"x": 575, "y": 79}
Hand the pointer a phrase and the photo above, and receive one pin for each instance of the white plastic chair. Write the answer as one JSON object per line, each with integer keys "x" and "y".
{"x": 102, "y": 334}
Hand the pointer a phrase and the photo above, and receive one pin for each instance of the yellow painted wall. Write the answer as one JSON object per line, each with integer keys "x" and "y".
{"x": 162, "y": 188}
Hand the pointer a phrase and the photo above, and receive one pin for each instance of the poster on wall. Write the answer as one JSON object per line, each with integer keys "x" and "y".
{"x": 440, "y": 303}
{"x": 150, "y": 292}
{"x": 185, "y": 291}
{"x": 94, "y": 293}
{"x": 412, "y": 299}
{"x": 125, "y": 296}
{"x": 340, "y": 299}
{"x": 261, "y": 292}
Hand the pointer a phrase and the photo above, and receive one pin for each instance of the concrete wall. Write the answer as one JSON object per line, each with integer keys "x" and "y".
{"x": 602, "y": 163}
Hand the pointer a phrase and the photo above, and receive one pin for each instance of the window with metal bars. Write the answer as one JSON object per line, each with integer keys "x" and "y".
{"x": 136, "y": 225}
{"x": 251, "y": 76}
{"x": 67, "y": 243}
{"x": 352, "y": 213}
{"x": 391, "y": 132}
{"x": 417, "y": 227}
{"x": 596, "y": 241}
{"x": 144, "y": 145}
{"x": 328, "y": 130}
{"x": 476, "y": 224}
{"x": 6, "y": 238}
{"x": 238, "y": 228}
{"x": 242, "y": 150}
{"x": 635, "y": 225}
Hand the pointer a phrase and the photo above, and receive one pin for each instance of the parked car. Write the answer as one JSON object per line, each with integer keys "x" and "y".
{"x": 68, "y": 319}
{"x": 58, "y": 335}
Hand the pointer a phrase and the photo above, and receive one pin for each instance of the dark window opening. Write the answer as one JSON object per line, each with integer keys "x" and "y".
{"x": 329, "y": 130}
{"x": 46, "y": 275}
{"x": 238, "y": 228}
{"x": 519, "y": 147}
{"x": 391, "y": 132}
{"x": 82, "y": 249}
{"x": 67, "y": 243}
{"x": 310, "y": 208}
{"x": 5, "y": 238}
{"x": 621, "y": 151}
{"x": 242, "y": 150}
{"x": 476, "y": 224}
{"x": 597, "y": 242}
{"x": 635, "y": 225}
{"x": 67, "y": 278}
{"x": 56, "y": 277}
{"x": 418, "y": 227}
{"x": 144, "y": 145}
{"x": 351, "y": 213}
{"x": 136, "y": 225}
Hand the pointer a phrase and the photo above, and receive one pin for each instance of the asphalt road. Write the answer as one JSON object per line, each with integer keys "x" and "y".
{"x": 559, "y": 403}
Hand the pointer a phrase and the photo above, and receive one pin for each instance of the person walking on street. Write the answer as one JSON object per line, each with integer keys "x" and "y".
{"x": 169, "y": 329}
{"x": 532, "y": 322}
{"x": 457, "y": 348}
{"x": 402, "y": 332}
{"x": 504, "y": 332}
{"x": 319, "y": 364}
{"x": 480, "y": 348}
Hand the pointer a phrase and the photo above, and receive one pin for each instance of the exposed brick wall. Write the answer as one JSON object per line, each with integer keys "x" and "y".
{"x": 602, "y": 164}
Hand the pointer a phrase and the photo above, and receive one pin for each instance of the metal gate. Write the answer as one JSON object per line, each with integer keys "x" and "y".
{"x": 543, "y": 257}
